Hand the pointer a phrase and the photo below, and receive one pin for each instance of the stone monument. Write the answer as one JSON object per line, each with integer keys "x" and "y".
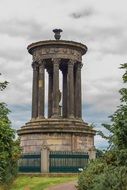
{"x": 63, "y": 129}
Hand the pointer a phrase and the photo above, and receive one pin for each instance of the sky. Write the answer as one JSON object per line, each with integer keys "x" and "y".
{"x": 99, "y": 24}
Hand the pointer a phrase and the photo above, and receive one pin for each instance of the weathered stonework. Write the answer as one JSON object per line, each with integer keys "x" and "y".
{"x": 64, "y": 128}
{"x": 57, "y": 49}
{"x": 64, "y": 53}
{"x": 58, "y": 134}
{"x": 56, "y": 142}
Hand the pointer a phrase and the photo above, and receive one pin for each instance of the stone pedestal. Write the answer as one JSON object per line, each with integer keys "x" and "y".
{"x": 57, "y": 134}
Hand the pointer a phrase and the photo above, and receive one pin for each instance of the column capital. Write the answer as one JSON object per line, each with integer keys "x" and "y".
{"x": 35, "y": 65}
{"x": 42, "y": 62}
{"x": 79, "y": 66}
{"x": 56, "y": 61}
{"x": 71, "y": 62}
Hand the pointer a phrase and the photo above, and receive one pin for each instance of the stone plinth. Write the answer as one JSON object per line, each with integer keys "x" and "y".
{"x": 58, "y": 134}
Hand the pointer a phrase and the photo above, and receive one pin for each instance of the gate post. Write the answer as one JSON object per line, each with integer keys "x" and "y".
{"x": 92, "y": 153}
{"x": 45, "y": 159}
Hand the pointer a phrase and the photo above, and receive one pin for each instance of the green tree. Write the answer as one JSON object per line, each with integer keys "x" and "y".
{"x": 110, "y": 171}
{"x": 3, "y": 85}
{"x": 9, "y": 146}
{"x": 118, "y": 126}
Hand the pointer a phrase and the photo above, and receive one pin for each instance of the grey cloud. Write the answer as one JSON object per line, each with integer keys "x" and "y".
{"x": 29, "y": 29}
{"x": 14, "y": 54}
{"x": 102, "y": 33}
{"x": 19, "y": 76}
{"x": 87, "y": 12}
{"x": 20, "y": 34}
{"x": 119, "y": 47}
{"x": 112, "y": 39}
{"x": 19, "y": 115}
{"x": 103, "y": 94}
{"x": 106, "y": 39}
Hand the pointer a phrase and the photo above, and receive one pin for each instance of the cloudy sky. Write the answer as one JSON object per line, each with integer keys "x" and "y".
{"x": 100, "y": 24}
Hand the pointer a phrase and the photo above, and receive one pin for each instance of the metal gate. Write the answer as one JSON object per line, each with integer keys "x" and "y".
{"x": 30, "y": 163}
{"x": 67, "y": 161}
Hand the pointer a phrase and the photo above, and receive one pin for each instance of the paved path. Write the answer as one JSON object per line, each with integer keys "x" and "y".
{"x": 64, "y": 186}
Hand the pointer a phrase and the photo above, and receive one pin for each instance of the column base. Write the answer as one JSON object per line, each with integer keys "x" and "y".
{"x": 55, "y": 116}
{"x": 71, "y": 117}
{"x": 41, "y": 117}
{"x": 79, "y": 118}
{"x": 33, "y": 119}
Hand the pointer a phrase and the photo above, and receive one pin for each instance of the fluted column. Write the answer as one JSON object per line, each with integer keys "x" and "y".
{"x": 64, "y": 102}
{"x": 41, "y": 89}
{"x": 35, "y": 90}
{"x": 78, "y": 96}
{"x": 50, "y": 91}
{"x": 55, "y": 108}
{"x": 71, "y": 89}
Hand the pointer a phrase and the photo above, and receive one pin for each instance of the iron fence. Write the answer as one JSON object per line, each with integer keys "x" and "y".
{"x": 30, "y": 163}
{"x": 67, "y": 161}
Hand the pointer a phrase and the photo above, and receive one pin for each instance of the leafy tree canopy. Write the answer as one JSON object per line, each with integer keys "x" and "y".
{"x": 9, "y": 146}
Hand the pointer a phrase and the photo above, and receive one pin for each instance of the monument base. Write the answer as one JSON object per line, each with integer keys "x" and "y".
{"x": 57, "y": 134}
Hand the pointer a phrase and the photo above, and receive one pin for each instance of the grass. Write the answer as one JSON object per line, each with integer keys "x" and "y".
{"x": 38, "y": 183}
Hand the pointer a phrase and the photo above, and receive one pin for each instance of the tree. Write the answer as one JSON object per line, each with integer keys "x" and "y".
{"x": 9, "y": 146}
{"x": 110, "y": 171}
{"x": 3, "y": 85}
{"x": 118, "y": 126}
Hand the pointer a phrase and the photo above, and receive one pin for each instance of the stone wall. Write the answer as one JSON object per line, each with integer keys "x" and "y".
{"x": 56, "y": 142}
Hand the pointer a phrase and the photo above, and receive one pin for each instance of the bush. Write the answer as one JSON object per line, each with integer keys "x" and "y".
{"x": 104, "y": 174}
{"x": 86, "y": 178}
{"x": 113, "y": 178}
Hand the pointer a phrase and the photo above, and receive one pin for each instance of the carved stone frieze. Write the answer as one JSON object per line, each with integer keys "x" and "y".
{"x": 62, "y": 53}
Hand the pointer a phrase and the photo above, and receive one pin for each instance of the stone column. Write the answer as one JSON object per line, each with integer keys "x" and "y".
{"x": 41, "y": 89}
{"x": 64, "y": 102}
{"x": 70, "y": 89}
{"x": 55, "y": 108}
{"x": 78, "y": 96}
{"x": 50, "y": 91}
{"x": 35, "y": 90}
